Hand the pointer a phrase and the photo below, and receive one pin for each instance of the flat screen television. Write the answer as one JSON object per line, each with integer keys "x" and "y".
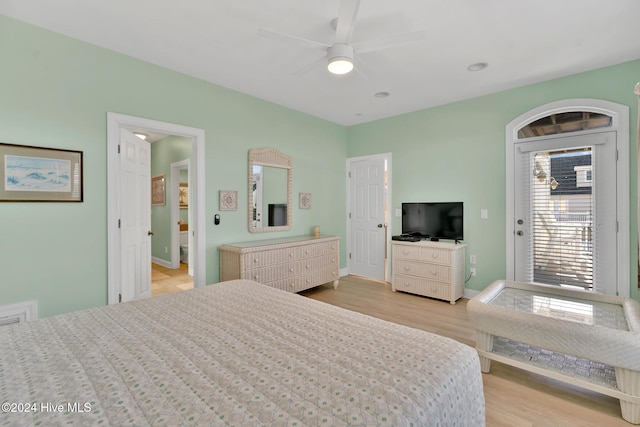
{"x": 433, "y": 221}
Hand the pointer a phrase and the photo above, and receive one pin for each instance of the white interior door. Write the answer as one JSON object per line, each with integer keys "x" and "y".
{"x": 566, "y": 219}
{"x": 135, "y": 219}
{"x": 367, "y": 218}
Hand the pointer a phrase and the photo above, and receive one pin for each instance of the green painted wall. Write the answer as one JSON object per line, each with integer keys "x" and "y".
{"x": 164, "y": 152}
{"x": 457, "y": 152}
{"x": 56, "y": 92}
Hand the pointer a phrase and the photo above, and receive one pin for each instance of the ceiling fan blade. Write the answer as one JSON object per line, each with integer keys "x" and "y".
{"x": 390, "y": 41}
{"x": 275, "y": 35}
{"x": 315, "y": 64}
{"x": 346, "y": 20}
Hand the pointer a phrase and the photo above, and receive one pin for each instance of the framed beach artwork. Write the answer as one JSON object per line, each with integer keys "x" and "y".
{"x": 39, "y": 174}
{"x": 157, "y": 190}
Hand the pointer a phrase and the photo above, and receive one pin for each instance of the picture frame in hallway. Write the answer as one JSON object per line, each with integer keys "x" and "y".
{"x": 40, "y": 174}
{"x": 183, "y": 194}
{"x": 158, "y": 190}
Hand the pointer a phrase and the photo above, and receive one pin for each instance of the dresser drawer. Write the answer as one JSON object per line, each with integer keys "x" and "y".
{"x": 320, "y": 276}
{"x": 310, "y": 251}
{"x": 428, "y": 271}
{"x": 406, "y": 252}
{"x": 438, "y": 256}
{"x": 274, "y": 272}
{"x": 421, "y": 286}
{"x": 268, "y": 257}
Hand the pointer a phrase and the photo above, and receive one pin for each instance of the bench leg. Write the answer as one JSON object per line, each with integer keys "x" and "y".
{"x": 484, "y": 342}
{"x": 629, "y": 382}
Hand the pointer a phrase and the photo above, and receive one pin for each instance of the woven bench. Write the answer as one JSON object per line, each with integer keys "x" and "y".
{"x": 582, "y": 338}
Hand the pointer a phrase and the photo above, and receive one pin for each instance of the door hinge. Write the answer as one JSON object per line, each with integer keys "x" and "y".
{"x": 349, "y": 215}
{"x": 119, "y": 297}
{"x": 349, "y": 255}
{"x": 349, "y": 174}
{"x": 118, "y": 148}
{"x": 118, "y": 223}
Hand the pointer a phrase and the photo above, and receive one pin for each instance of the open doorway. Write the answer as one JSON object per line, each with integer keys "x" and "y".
{"x": 116, "y": 123}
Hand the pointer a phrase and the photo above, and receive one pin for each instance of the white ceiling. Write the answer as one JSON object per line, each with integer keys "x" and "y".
{"x": 218, "y": 41}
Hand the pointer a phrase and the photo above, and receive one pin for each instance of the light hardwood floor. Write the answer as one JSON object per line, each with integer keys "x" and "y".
{"x": 166, "y": 280}
{"x": 513, "y": 397}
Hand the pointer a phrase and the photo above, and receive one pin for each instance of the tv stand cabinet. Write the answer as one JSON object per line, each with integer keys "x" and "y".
{"x": 430, "y": 269}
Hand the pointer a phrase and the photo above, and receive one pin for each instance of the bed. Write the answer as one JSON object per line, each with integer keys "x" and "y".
{"x": 234, "y": 353}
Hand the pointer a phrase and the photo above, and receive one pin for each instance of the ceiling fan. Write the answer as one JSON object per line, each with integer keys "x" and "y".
{"x": 340, "y": 55}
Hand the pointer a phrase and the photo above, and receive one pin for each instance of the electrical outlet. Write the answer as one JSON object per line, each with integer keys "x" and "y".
{"x": 473, "y": 272}
{"x": 166, "y": 250}
{"x": 472, "y": 259}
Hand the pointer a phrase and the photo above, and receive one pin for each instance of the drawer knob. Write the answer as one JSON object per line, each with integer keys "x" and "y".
{"x": 291, "y": 270}
{"x": 256, "y": 277}
{"x": 407, "y": 268}
{"x": 291, "y": 255}
{"x": 308, "y": 280}
{"x": 434, "y": 273}
{"x": 255, "y": 260}
{"x": 293, "y": 285}
{"x": 307, "y": 266}
{"x": 434, "y": 256}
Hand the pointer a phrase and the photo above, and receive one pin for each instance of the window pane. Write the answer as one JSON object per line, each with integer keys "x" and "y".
{"x": 562, "y": 213}
{"x": 573, "y": 121}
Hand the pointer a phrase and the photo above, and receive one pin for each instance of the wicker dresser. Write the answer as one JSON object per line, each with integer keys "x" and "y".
{"x": 431, "y": 269}
{"x": 292, "y": 264}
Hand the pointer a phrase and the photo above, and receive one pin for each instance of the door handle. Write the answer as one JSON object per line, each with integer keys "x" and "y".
{"x": 149, "y": 233}
{"x": 520, "y": 233}
{"x": 379, "y": 225}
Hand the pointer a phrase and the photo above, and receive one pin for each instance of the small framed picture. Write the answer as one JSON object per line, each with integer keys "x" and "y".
{"x": 304, "y": 200}
{"x": 228, "y": 200}
{"x": 158, "y": 190}
{"x": 39, "y": 174}
{"x": 183, "y": 194}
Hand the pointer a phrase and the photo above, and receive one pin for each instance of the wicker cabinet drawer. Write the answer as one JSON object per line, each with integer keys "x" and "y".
{"x": 429, "y": 271}
{"x": 437, "y": 256}
{"x": 264, "y": 258}
{"x": 406, "y": 252}
{"x": 420, "y": 286}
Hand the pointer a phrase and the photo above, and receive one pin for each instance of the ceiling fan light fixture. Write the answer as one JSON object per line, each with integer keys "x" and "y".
{"x": 340, "y": 59}
{"x": 340, "y": 66}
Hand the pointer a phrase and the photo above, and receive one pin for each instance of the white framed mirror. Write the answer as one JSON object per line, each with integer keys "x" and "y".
{"x": 270, "y": 190}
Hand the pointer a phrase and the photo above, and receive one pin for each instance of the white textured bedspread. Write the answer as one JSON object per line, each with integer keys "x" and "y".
{"x": 234, "y": 353}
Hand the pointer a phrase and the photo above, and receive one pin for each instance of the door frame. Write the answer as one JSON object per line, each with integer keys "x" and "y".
{"x": 175, "y": 169}
{"x": 387, "y": 201}
{"x": 620, "y": 125}
{"x": 115, "y": 122}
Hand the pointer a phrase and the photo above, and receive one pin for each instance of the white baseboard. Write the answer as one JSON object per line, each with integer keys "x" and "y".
{"x": 19, "y": 312}
{"x": 470, "y": 293}
{"x": 161, "y": 262}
